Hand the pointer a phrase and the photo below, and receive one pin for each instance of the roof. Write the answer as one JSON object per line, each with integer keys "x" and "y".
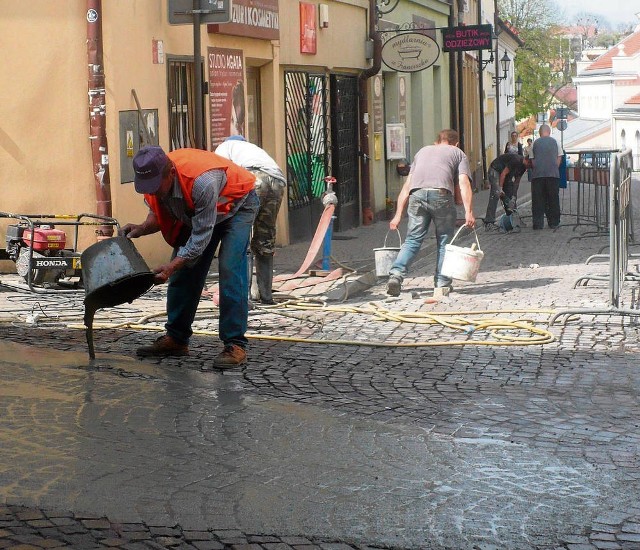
{"x": 510, "y": 30}
{"x": 630, "y": 46}
{"x": 568, "y": 95}
{"x": 580, "y": 129}
{"x": 634, "y": 100}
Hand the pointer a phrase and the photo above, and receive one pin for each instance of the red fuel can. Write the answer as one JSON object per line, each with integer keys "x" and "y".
{"x": 45, "y": 238}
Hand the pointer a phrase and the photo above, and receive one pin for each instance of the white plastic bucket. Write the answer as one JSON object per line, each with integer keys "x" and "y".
{"x": 385, "y": 256}
{"x": 462, "y": 263}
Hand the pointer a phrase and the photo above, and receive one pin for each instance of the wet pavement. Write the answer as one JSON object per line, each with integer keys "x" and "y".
{"x": 414, "y": 425}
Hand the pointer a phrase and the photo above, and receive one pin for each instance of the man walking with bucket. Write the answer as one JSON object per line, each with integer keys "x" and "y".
{"x": 429, "y": 192}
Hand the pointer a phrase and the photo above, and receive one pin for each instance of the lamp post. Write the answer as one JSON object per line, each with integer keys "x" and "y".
{"x": 512, "y": 98}
{"x": 505, "y": 61}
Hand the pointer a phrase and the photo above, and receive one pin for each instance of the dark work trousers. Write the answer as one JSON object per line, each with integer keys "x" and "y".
{"x": 545, "y": 201}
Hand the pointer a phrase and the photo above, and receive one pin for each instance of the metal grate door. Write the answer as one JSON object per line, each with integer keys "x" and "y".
{"x": 344, "y": 149}
{"x": 305, "y": 98}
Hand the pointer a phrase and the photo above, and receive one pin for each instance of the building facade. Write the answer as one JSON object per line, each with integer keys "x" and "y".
{"x": 140, "y": 73}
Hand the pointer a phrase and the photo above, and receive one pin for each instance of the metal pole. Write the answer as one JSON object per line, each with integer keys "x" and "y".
{"x": 326, "y": 246}
{"x": 197, "y": 67}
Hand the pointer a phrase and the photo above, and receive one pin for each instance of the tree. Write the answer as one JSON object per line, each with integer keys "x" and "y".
{"x": 529, "y": 15}
{"x": 544, "y": 62}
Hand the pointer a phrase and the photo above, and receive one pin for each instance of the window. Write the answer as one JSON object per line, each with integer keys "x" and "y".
{"x": 181, "y": 96}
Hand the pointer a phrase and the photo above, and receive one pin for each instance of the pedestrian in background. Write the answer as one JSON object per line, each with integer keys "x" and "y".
{"x": 270, "y": 185}
{"x": 198, "y": 200}
{"x": 513, "y": 145}
{"x": 504, "y": 175}
{"x": 429, "y": 191}
{"x": 527, "y": 155}
{"x": 545, "y": 183}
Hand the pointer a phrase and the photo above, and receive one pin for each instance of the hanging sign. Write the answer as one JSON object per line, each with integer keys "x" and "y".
{"x": 469, "y": 37}
{"x": 410, "y": 52}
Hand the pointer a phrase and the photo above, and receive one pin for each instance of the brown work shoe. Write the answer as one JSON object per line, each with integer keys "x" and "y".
{"x": 162, "y": 347}
{"x": 230, "y": 356}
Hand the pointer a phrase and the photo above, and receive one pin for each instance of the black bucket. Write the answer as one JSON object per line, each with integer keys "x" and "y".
{"x": 113, "y": 272}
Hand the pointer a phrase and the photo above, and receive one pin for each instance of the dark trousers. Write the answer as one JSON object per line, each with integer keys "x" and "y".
{"x": 545, "y": 201}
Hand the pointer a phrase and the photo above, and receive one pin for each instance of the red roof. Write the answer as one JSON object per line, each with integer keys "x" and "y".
{"x": 568, "y": 95}
{"x": 635, "y": 100}
{"x": 631, "y": 47}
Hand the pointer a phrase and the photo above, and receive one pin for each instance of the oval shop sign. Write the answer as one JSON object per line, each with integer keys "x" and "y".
{"x": 410, "y": 52}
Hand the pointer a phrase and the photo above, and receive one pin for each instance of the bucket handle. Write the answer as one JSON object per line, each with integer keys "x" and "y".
{"x": 475, "y": 233}
{"x": 385, "y": 237}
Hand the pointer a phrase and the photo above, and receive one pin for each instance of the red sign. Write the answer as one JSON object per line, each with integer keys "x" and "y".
{"x": 308, "y": 27}
{"x": 227, "y": 104}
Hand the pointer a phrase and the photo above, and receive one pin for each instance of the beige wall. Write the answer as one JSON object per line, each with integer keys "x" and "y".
{"x": 44, "y": 121}
{"x": 340, "y": 46}
{"x": 45, "y": 156}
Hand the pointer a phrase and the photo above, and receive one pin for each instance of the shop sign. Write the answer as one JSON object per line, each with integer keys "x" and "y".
{"x": 470, "y": 37}
{"x": 253, "y": 18}
{"x": 226, "y": 94}
{"x": 410, "y": 52}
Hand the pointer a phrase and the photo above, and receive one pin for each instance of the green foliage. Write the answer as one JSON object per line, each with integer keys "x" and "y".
{"x": 543, "y": 62}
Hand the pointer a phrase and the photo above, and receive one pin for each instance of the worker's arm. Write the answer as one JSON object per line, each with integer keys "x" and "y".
{"x": 403, "y": 197}
{"x": 135, "y": 230}
{"x": 467, "y": 199}
{"x": 503, "y": 176}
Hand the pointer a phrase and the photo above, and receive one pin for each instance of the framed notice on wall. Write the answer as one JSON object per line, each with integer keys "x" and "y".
{"x": 396, "y": 142}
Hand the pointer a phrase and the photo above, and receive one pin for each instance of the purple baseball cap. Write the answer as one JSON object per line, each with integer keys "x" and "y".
{"x": 148, "y": 165}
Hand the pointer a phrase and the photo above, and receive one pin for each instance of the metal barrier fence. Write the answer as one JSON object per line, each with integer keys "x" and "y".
{"x": 590, "y": 176}
{"x": 620, "y": 236}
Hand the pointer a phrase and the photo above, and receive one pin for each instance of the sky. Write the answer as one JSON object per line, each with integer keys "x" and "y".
{"x": 615, "y": 11}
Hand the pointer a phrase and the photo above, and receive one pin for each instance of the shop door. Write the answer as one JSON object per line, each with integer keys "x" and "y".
{"x": 254, "y": 118}
{"x": 307, "y": 154}
{"x": 344, "y": 149}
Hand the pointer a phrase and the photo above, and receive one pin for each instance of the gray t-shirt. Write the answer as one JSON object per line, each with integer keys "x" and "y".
{"x": 438, "y": 167}
{"x": 545, "y": 153}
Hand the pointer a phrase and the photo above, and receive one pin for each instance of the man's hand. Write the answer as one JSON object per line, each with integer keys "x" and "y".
{"x": 162, "y": 273}
{"x": 131, "y": 230}
{"x": 395, "y": 222}
{"x": 469, "y": 220}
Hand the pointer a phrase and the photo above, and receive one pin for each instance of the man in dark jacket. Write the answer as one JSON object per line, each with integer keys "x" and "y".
{"x": 504, "y": 175}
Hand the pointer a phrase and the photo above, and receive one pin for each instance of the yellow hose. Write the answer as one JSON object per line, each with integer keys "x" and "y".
{"x": 461, "y": 321}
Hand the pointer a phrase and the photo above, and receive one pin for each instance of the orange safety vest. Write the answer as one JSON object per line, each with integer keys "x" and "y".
{"x": 189, "y": 164}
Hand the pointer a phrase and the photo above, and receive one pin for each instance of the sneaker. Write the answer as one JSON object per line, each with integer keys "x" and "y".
{"x": 162, "y": 347}
{"x": 230, "y": 356}
{"x": 394, "y": 286}
{"x": 491, "y": 226}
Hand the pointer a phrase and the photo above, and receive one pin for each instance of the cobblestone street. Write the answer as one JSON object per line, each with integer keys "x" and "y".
{"x": 416, "y": 424}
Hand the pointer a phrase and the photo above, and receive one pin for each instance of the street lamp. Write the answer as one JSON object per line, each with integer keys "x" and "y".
{"x": 512, "y": 98}
{"x": 504, "y": 61}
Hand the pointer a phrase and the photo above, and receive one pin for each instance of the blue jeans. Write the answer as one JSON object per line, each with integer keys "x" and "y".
{"x": 425, "y": 206}
{"x": 186, "y": 284}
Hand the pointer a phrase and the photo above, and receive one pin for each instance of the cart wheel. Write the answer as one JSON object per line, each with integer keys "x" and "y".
{"x": 23, "y": 267}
